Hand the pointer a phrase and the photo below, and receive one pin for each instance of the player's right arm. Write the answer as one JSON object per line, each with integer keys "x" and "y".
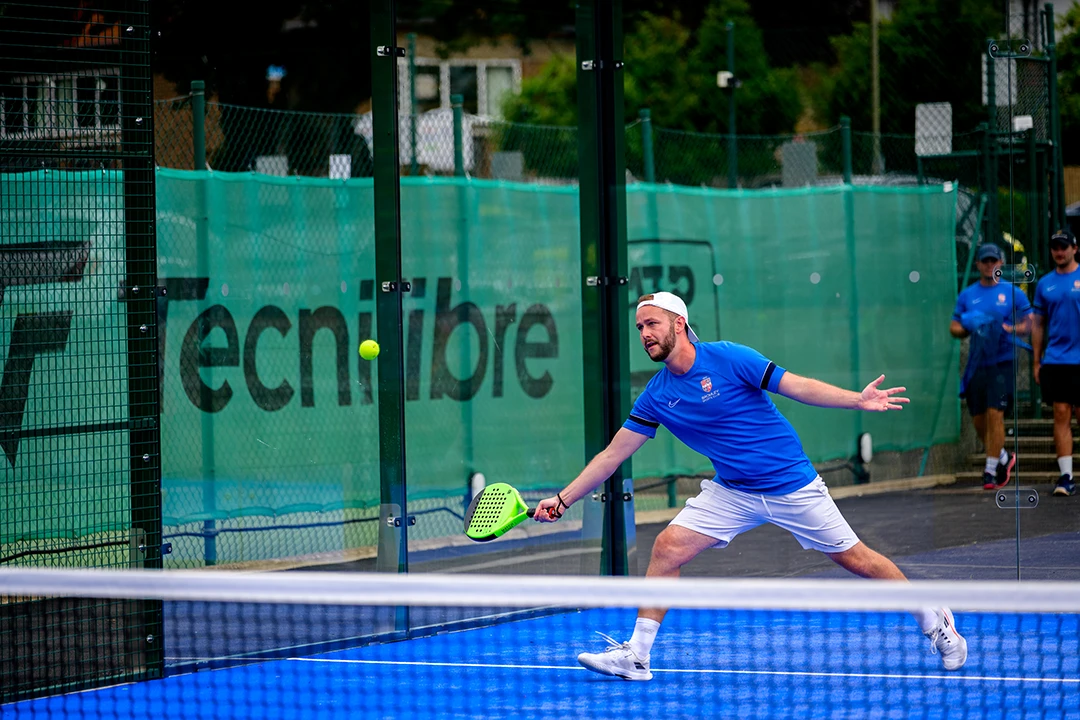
{"x": 600, "y": 468}
{"x": 1038, "y": 331}
{"x": 955, "y": 328}
{"x": 1038, "y": 336}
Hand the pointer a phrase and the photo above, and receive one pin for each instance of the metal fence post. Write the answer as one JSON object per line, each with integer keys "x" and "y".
{"x": 414, "y": 168}
{"x": 990, "y": 186}
{"x": 202, "y": 270}
{"x": 852, "y": 252}
{"x": 733, "y": 143}
{"x": 604, "y": 273}
{"x": 646, "y": 145}
{"x": 1057, "y": 164}
{"x": 457, "y": 103}
{"x": 1035, "y": 243}
{"x": 991, "y": 89}
{"x": 459, "y": 149}
{"x": 198, "y": 122}
{"x": 993, "y": 218}
{"x": 393, "y": 548}
{"x": 845, "y": 138}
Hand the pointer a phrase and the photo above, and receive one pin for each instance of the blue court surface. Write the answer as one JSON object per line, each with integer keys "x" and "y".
{"x": 715, "y": 664}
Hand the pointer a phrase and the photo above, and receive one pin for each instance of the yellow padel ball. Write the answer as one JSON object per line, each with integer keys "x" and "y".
{"x": 369, "y": 349}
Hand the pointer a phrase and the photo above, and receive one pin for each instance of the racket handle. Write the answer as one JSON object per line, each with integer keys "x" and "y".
{"x": 530, "y": 512}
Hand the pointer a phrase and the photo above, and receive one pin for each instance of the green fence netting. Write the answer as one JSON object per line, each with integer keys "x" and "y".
{"x": 270, "y": 438}
{"x": 288, "y": 143}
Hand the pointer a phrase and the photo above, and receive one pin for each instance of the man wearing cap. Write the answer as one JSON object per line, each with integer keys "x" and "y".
{"x": 1056, "y": 341}
{"x": 714, "y": 398}
{"x": 985, "y": 312}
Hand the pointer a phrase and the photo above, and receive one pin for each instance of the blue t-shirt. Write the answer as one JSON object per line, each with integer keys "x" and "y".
{"x": 720, "y": 408}
{"x": 1057, "y": 298}
{"x": 997, "y": 301}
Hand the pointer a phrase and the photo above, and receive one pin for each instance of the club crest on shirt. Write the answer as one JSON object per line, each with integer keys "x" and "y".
{"x": 1076, "y": 284}
{"x": 706, "y": 384}
{"x": 1001, "y": 297}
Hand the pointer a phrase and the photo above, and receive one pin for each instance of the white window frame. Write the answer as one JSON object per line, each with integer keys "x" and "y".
{"x": 480, "y": 64}
{"x": 49, "y": 99}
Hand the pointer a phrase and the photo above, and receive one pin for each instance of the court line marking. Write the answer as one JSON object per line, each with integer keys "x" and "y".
{"x": 703, "y": 671}
{"x": 516, "y": 560}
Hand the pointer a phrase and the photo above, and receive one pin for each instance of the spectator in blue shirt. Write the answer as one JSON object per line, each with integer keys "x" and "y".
{"x": 985, "y": 312}
{"x": 714, "y": 397}
{"x": 1056, "y": 342}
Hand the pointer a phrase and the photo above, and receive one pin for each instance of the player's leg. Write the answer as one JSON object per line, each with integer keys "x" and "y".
{"x": 1063, "y": 437}
{"x": 980, "y": 418}
{"x": 1057, "y": 385}
{"x": 989, "y": 394}
{"x": 979, "y": 421}
{"x": 999, "y": 462}
{"x": 811, "y": 515}
{"x": 1000, "y": 402}
{"x": 711, "y": 519}
{"x": 674, "y": 547}
{"x": 1063, "y": 446}
{"x": 976, "y": 398}
{"x": 867, "y": 563}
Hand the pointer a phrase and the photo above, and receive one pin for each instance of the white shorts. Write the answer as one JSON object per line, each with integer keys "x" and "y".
{"x": 809, "y": 514}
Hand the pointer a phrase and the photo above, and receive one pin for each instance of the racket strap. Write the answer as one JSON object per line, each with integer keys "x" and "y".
{"x": 561, "y": 506}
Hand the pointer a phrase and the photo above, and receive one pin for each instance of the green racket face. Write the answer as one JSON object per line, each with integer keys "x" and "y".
{"x": 495, "y": 511}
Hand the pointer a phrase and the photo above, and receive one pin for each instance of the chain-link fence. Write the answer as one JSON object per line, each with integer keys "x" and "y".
{"x": 79, "y": 413}
{"x": 276, "y": 142}
{"x": 280, "y": 143}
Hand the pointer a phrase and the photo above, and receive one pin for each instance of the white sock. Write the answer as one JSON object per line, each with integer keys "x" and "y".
{"x": 644, "y": 634}
{"x": 927, "y": 618}
{"x": 991, "y": 465}
{"x": 1003, "y": 458}
{"x": 1065, "y": 463}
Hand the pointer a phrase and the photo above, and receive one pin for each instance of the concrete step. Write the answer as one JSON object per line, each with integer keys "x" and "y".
{"x": 1039, "y": 479}
{"x": 1034, "y": 444}
{"x": 1033, "y": 426}
{"x": 1028, "y": 462}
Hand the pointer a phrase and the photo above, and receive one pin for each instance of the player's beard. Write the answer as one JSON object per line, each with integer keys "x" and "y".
{"x": 666, "y": 344}
{"x": 1068, "y": 260}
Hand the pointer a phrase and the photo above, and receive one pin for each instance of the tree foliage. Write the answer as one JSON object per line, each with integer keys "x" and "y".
{"x": 1068, "y": 54}
{"x": 930, "y": 51}
{"x": 322, "y": 44}
{"x": 672, "y": 71}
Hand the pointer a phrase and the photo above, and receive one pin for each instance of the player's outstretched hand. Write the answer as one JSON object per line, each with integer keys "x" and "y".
{"x": 547, "y": 510}
{"x": 874, "y": 399}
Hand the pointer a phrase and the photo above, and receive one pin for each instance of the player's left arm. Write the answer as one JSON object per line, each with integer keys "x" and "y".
{"x": 1022, "y": 312}
{"x": 821, "y": 394}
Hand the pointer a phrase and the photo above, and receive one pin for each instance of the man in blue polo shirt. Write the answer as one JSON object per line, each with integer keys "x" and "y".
{"x": 986, "y": 311}
{"x": 714, "y": 398}
{"x": 1056, "y": 341}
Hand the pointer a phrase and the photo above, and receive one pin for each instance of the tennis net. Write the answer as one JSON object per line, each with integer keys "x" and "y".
{"x": 288, "y": 644}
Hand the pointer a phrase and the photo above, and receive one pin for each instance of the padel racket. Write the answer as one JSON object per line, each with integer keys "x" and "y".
{"x": 495, "y": 511}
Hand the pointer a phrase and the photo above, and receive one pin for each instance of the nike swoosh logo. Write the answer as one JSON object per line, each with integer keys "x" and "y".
{"x": 673, "y": 404}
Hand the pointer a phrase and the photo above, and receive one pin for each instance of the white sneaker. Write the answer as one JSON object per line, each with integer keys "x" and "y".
{"x": 617, "y": 660}
{"x": 945, "y": 639}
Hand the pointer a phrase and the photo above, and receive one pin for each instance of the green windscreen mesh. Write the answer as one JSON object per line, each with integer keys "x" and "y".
{"x": 841, "y": 284}
{"x": 66, "y": 490}
{"x": 79, "y": 395}
{"x": 270, "y": 437}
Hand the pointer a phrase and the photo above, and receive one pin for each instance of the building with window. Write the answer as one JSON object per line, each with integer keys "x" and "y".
{"x": 71, "y": 96}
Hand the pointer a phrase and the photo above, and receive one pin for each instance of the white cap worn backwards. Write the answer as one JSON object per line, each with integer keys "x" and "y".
{"x": 672, "y": 303}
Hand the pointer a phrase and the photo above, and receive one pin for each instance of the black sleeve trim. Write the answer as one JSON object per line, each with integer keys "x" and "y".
{"x": 643, "y": 421}
{"x": 767, "y": 376}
